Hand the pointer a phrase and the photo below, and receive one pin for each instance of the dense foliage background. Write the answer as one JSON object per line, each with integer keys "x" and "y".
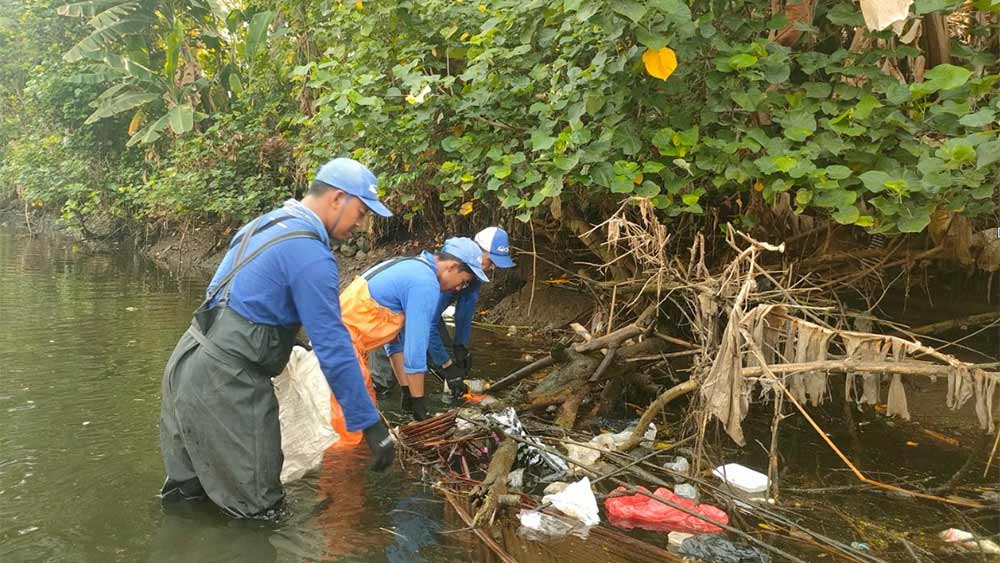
{"x": 153, "y": 110}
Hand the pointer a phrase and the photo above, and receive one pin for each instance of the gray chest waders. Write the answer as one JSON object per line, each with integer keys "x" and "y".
{"x": 219, "y": 431}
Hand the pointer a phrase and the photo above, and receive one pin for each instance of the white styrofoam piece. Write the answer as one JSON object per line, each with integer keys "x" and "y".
{"x": 742, "y": 477}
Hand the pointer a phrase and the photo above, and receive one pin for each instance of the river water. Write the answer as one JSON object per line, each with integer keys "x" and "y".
{"x": 83, "y": 343}
{"x": 84, "y": 340}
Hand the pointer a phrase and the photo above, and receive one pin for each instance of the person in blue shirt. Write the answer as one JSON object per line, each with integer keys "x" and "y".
{"x": 219, "y": 431}
{"x": 450, "y": 354}
{"x": 414, "y": 286}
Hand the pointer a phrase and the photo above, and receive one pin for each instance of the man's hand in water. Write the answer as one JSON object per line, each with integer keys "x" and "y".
{"x": 381, "y": 444}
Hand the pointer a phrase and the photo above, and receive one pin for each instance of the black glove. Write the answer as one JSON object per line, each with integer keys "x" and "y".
{"x": 420, "y": 408}
{"x": 381, "y": 444}
{"x": 454, "y": 376}
{"x": 462, "y": 358}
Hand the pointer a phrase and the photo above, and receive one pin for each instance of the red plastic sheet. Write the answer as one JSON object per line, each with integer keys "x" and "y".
{"x": 638, "y": 511}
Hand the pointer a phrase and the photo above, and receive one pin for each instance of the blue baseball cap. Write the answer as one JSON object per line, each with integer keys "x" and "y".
{"x": 352, "y": 177}
{"x": 466, "y": 250}
{"x": 495, "y": 242}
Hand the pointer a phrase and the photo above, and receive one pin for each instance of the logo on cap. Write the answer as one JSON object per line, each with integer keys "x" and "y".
{"x": 371, "y": 190}
{"x": 503, "y": 249}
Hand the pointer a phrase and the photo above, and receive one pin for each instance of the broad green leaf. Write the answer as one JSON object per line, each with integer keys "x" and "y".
{"x": 838, "y": 172}
{"x": 173, "y": 49}
{"x": 690, "y": 199}
{"x": 897, "y": 93}
{"x": 181, "y": 118}
{"x": 819, "y": 90}
{"x": 847, "y": 14}
{"x": 257, "y": 33}
{"x": 803, "y": 197}
{"x": 922, "y": 7}
{"x": 622, "y": 185}
{"x": 874, "y": 180}
{"x": 501, "y": 172}
{"x": 741, "y": 61}
{"x": 798, "y": 126}
{"x": 847, "y": 215}
{"x": 987, "y": 153}
{"x": 86, "y": 9}
{"x": 150, "y": 133}
{"x": 647, "y": 189}
{"x": 652, "y": 40}
{"x": 913, "y": 219}
{"x": 452, "y": 144}
{"x": 630, "y": 9}
{"x": 566, "y": 163}
{"x": 235, "y": 84}
{"x": 865, "y": 221}
{"x": 602, "y": 174}
{"x": 116, "y": 105}
{"x": 947, "y": 77}
{"x": 981, "y": 118}
{"x": 540, "y": 141}
{"x": 104, "y": 36}
{"x": 865, "y": 106}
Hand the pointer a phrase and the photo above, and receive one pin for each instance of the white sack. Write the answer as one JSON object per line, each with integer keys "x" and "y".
{"x": 304, "y": 414}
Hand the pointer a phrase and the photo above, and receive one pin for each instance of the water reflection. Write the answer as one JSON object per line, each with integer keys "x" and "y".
{"x": 85, "y": 337}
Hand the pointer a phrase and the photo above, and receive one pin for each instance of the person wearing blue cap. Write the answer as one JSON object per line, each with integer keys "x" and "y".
{"x": 412, "y": 287}
{"x": 452, "y": 360}
{"x": 219, "y": 431}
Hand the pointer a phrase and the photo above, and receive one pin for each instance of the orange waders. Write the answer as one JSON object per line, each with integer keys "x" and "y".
{"x": 371, "y": 325}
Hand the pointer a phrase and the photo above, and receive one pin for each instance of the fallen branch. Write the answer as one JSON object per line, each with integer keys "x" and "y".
{"x": 615, "y": 338}
{"x": 902, "y": 368}
{"x": 494, "y": 485}
{"x": 520, "y": 374}
{"x": 964, "y": 322}
{"x": 654, "y": 409}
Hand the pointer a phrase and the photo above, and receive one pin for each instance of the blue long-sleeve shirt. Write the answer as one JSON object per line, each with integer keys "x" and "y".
{"x": 296, "y": 282}
{"x": 410, "y": 287}
{"x": 465, "y": 306}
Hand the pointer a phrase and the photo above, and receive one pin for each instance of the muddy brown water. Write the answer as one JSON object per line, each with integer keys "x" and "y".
{"x": 83, "y": 341}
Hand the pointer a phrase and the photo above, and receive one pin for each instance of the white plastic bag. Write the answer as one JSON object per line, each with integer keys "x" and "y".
{"x": 576, "y": 500}
{"x": 304, "y": 414}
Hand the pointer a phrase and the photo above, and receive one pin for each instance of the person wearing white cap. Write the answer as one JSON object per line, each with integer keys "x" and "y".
{"x": 452, "y": 360}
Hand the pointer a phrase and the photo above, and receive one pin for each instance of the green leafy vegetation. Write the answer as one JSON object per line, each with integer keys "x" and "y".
{"x": 218, "y": 110}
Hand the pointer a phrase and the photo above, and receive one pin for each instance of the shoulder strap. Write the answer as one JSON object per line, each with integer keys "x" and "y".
{"x": 226, "y": 282}
{"x": 261, "y": 229}
{"x": 390, "y": 263}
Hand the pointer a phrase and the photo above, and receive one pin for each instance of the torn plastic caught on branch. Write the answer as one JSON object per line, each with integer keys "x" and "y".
{"x": 717, "y": 549}
{"x": 639, "y": 511}
{"x": 526, "y": 454}
{"x": 539, "y": 526}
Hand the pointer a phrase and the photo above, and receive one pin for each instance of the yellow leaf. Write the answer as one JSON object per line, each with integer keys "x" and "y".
{"x": 758, "y": 186}
{"x": 660, "y": 64}
{"x": 136, "y": 123}
{"x": 466, "y": 208}
{"x": 359, "y": 5}
{"x": 637, "y": 180}
{"x": 464, "y": 36}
